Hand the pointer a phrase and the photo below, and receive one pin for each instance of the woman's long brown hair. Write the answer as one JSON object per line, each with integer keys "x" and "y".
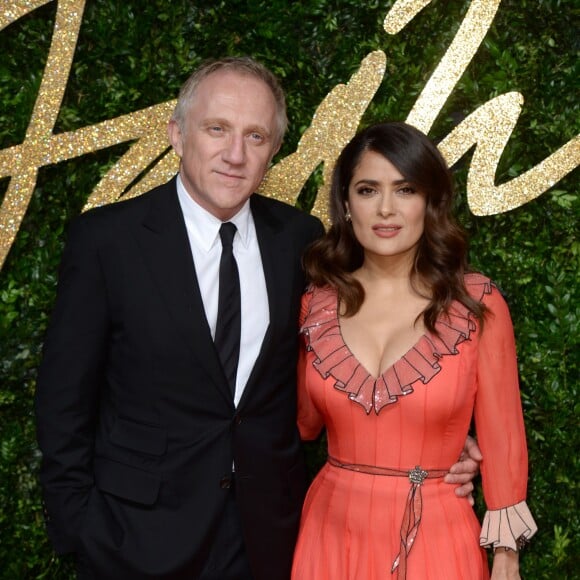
{"x": 441, "y": 260}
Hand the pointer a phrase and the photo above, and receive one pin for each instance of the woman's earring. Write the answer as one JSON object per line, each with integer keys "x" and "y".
{"x": 348, "y": 216}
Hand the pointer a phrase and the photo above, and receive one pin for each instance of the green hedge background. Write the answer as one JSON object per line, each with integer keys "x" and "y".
{"x": 134, "y": 54}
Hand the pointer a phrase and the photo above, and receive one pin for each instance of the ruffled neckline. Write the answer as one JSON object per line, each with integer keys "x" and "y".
{"x": 321, "y": 328}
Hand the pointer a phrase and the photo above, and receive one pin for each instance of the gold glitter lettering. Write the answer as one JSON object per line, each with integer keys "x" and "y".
{"x": 334, "y": 123}
{"x": 489, "y": 127}
{"x": 470, "y": 35}
{"x": 24, "y": 161}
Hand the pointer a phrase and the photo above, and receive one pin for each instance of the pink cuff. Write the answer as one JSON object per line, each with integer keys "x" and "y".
{"x": 509, "y": 527}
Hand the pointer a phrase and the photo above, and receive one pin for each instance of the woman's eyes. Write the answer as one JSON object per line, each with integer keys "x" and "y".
{"x": 366, "y": 191}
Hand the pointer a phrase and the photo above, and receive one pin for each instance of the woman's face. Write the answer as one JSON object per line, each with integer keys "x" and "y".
{"x": 388, "y": 213}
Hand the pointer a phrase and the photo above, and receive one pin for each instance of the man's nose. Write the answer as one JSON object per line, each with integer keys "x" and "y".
{"x": 235, "y": 151}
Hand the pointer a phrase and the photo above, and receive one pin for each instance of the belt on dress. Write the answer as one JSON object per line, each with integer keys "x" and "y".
{"x": 413, "y": 507}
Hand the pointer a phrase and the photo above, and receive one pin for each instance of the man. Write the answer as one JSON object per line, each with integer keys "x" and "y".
{"x": 156, "y": 462}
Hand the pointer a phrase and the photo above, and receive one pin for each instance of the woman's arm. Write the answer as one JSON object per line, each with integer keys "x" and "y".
{"x": 506, "y": 565}
{"x": 499, "y": 425}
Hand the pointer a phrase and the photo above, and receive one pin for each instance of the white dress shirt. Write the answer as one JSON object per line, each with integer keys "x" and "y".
{"x": 203, "y": 232}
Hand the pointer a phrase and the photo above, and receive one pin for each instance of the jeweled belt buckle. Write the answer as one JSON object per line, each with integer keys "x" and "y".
{"x": 417, "y": 475}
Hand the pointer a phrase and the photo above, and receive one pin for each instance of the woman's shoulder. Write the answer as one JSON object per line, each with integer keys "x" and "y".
{"x": 483, "y": 289}
{"x": 477, "y": 284}
{"x": 317, "y": 301}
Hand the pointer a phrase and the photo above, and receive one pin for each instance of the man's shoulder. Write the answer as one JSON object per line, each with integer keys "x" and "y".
{"x": 134, "y": 207}
{"x": 113, "y": 222}
{"x": 284, "y": 211}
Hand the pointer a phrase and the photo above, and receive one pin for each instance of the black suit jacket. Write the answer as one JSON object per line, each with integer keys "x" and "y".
{"x": 135, "y": 419}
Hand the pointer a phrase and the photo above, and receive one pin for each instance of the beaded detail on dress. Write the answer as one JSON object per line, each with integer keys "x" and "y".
{"x": 321, "y": 328}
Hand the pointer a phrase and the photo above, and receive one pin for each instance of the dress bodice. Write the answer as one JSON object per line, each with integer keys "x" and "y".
{"x": 421, "y": 362}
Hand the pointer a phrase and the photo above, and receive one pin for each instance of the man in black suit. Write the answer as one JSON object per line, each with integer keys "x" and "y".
{"x": 156, "y": 463}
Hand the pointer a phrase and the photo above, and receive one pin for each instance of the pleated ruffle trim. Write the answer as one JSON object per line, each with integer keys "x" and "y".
{"x": 421, "y": 363}
{"x": 510, "y": 527}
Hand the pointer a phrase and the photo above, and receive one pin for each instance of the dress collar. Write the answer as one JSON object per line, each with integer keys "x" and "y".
{"x": 421, "y": 363}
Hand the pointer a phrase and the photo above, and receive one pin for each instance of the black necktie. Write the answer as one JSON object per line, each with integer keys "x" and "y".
{"x": 228, "y": 327}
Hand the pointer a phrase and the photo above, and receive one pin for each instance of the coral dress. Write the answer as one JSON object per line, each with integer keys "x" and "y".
{"x": 363, "y": 513}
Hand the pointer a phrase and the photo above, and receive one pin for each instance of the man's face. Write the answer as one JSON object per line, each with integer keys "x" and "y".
{"x": 228, "y": 140}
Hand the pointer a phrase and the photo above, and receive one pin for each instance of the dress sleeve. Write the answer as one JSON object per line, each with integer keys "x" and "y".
{"x": 310, "y": 421}
{"x": 500, "y": 432}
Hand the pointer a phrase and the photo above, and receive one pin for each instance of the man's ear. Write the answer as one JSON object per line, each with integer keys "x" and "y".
{"x": 175, "y": 137}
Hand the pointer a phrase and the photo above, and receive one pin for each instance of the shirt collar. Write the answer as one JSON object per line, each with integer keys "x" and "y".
{"x": 204, "y": 226}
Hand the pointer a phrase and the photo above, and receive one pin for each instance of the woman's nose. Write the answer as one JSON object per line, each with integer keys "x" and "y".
{"x": 385, "y": 202}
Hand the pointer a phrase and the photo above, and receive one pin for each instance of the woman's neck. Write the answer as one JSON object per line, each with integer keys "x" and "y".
{"x": 392, "y": 273}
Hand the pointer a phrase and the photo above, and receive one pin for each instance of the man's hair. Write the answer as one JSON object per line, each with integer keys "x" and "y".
{"x": 244, "y": 65}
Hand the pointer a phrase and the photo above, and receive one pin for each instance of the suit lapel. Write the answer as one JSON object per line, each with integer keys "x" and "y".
{"x": 274, "y": 251}
{"x": 163, "y": 237}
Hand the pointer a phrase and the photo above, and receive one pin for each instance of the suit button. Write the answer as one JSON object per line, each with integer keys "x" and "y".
{"x": 237, "y": 419}
{"x": 226, "y": 482}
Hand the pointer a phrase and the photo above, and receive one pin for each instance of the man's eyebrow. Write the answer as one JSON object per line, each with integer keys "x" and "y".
{"x": 260, "y": 129}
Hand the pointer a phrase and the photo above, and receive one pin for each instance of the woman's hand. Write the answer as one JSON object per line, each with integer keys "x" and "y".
{"x": 506, "y": 565}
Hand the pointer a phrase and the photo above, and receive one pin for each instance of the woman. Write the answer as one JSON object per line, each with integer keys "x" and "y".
{"x": 402, "y": 347}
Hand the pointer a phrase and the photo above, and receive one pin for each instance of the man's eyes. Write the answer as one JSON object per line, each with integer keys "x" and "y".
{"x": 257, "y": 137}
{"x": 253, "y": 136}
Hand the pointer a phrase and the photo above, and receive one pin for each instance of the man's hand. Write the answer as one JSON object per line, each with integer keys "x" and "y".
{"x": 466, "y": 469}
